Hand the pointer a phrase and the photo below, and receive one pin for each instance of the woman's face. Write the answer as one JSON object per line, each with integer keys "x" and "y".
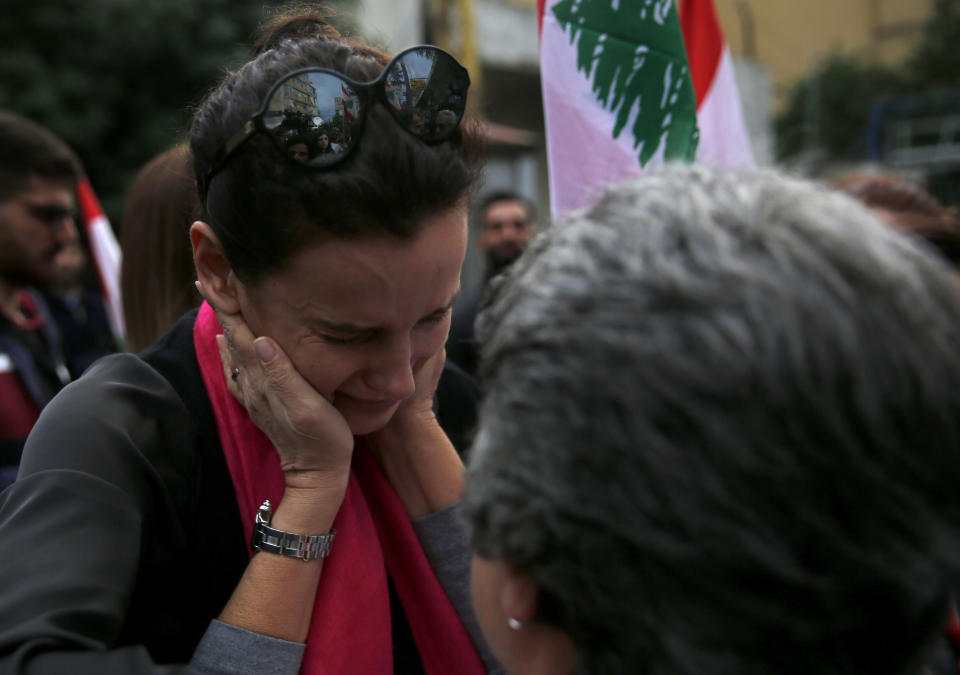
{"x": 360, "y": 317}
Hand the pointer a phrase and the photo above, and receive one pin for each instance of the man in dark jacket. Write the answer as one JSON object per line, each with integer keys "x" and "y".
{"x": 507, "y": 225}
{"x": 38, "y": 176}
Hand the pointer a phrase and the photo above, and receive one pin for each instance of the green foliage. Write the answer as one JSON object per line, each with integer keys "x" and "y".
{"x": 829, "y": 109}
{"x": 936, "y": 61}
{"x": 656, "y": 80}
{"x": 118, "y": 79}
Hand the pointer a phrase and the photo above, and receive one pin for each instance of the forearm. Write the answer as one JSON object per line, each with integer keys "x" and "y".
{"x": 276, "y": 593}
{"x": 420, "y": 463}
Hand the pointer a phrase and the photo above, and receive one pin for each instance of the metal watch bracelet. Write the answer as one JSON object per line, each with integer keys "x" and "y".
{"x": 290, "y": 544}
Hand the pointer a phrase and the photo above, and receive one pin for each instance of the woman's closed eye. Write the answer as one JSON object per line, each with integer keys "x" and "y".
{"x": 436, "y": 317}
{"x": 347, "y": 339}
{"x": 334, "y": 335}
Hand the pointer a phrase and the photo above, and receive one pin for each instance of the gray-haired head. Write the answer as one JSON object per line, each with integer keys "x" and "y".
{"x": 722, "y": 430}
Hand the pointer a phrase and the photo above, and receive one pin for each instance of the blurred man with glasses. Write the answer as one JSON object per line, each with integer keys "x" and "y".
{"x": 38, "y": 176}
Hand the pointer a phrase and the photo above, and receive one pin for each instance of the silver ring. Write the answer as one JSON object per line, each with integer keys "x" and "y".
{"x": 235, "y": 374}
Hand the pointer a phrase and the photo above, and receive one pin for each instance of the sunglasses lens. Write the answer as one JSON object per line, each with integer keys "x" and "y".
{"x": 427, "y": 92}
{"x": 52, "y": 214}
{"x": 314, "y": 117}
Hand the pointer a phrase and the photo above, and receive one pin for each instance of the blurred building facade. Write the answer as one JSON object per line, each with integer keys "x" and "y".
{"x": 774, "y": 44}
{"x": 497, "y": 41}
{"x": 789, "y": 38}
{"x": 915, "y": 135}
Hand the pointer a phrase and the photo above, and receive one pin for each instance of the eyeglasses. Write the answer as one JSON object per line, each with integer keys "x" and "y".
{"x": 315, "y": 115}
{"x": 50, "y": 215}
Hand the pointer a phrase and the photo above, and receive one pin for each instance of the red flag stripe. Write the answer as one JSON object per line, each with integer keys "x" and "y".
{"x": 704, "y": 40}
{"x": 540, "y": 7}
{"x": 104, "y": 251}
{"x": 90, "y": 209}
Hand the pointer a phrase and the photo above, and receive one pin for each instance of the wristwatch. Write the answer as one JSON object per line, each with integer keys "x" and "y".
{"x": 289, "y": 544}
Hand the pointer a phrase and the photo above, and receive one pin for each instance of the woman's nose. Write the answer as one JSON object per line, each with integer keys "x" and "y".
{"x": 391, "y": 372}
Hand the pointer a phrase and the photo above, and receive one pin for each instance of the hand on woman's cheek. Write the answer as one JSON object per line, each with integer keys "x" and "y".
{"x": 312, "y": 438}
{"x": 420, "y": 405}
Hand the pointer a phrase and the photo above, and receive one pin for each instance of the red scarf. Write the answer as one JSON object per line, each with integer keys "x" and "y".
{"x": 350, "y": 628}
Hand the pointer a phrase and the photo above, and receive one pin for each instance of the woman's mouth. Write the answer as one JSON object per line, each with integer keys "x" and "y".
{"x": 364, "y": 405}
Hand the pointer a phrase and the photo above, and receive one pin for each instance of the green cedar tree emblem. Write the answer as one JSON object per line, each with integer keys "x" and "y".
{"x": 633, "y": 53}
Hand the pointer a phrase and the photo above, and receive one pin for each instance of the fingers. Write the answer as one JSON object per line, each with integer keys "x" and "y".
{"x": 231, "y": 374}
{"x": 429, "y": 375}
{"x": 240, "y": 353}
{"x": 306, "y": 429}
{"x": 267, "y": 376}
{"x": 286, "y": 391}
{"x": 281, "y": 375}
{"x": 308, "y": 433}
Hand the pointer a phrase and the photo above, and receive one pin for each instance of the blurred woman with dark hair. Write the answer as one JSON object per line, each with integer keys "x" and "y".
{"x": 157, "y": 274}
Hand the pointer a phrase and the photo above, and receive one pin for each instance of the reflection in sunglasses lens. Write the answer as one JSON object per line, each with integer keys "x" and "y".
{"x": 313, "y": 116}
{"x": 426, "y": 90}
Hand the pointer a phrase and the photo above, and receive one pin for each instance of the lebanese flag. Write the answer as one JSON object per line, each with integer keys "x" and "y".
{"x": 723, "y": 134}
{"x": 349, "y": 110}
{"x": 105, "y": 252}
{"x": 617, "y": 94}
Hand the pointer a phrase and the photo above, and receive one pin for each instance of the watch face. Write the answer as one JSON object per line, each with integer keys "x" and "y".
{"x": 265, "y": 512}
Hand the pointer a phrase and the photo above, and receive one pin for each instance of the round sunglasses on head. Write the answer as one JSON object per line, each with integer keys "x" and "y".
{"x": 315, "y": 115}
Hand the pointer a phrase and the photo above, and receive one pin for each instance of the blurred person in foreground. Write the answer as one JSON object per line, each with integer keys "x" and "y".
{"x": 507, "y": 225}
{"x": 912, "y": 209}
{"x": 38, "y": 177}
{"x": 266, "y": 488}
{"x": 907, "y": 207}
{"x": 720, "y": 435}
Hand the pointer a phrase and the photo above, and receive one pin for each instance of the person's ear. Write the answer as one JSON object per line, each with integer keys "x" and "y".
{"x": 518, "y": 597}
{"x": 218, "y": 282}
{"x": 546, "y": 649}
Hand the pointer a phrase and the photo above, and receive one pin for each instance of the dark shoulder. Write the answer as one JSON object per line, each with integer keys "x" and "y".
{"x": 121, "y": 422}
{"x": 465, "y": 312}
{"x": 455, "y": 403}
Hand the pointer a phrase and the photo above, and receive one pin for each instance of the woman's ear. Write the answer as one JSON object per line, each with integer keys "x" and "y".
{"x": 545, "y": 650}
{"x": 218, "y": 282}
{"x": 518, "y": 596}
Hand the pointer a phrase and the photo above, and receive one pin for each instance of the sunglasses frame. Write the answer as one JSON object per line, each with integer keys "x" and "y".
{"x": 51, "y": 215}
{"x": 373, "y": 90}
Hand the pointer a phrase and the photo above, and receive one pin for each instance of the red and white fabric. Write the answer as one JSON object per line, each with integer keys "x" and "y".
{"x": 724, "y": 140}
{"x": 105, "y": 252}
{"x": 617, "y": 95}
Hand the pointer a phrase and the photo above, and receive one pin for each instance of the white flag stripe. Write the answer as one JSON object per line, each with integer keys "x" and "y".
{"x": 605, "y": 67}
{"x": 106, "y": 252}
{"x": 584, "y": 157}
{"x": 723, "y": 133}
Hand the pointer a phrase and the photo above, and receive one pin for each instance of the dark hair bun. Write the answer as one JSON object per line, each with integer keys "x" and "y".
{"x": 293, "y": 25}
